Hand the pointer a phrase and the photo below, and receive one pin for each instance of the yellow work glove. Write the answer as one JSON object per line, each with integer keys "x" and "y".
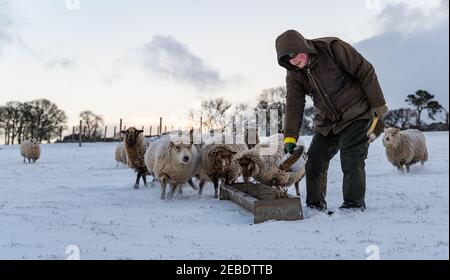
{"x": 377, "y": 125}
{"x": 290, "y": 144}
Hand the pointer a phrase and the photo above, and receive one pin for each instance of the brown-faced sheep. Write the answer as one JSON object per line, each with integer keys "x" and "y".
{"x": 405, "y": 148}
{"x": 265, "y": 164}
{"x": 171, "y": 162}
{"x": 30, "y": 149}
{"x": 218, "y": 164}
{"x": 134, "y": 145}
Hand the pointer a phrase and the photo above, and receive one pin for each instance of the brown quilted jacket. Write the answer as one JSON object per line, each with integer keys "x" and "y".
{"x": 342, "y": 84}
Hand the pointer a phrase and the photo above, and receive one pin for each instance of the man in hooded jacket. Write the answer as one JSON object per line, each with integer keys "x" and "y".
{"x": 347, "y": 99}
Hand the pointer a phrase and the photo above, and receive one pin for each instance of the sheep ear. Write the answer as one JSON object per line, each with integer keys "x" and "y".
{"x": 140, "y": 131}
{"x": 123, "y": 132}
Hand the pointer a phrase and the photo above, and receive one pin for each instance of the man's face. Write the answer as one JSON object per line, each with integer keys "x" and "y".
{"x": 300, "y": 60}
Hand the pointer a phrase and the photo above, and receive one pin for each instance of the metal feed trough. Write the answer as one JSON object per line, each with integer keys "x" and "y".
{"x": 263, "y": 201}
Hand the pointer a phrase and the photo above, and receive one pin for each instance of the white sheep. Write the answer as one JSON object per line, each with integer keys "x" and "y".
{"x": 120, "y": 155}
{"x": 31, "y": 150}
{"x": 405, "y": 148}
{"x": 171, "y": 162}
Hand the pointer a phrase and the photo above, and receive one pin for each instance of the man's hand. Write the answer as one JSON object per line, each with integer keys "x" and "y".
{"x": 377, "y": 126}
{"x": 290, "y": 144}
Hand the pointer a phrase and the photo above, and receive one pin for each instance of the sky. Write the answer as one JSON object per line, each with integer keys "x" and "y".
{"x": 140, "y": 60}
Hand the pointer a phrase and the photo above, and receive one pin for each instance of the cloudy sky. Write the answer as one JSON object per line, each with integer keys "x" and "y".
{"x": 141, "y": 59}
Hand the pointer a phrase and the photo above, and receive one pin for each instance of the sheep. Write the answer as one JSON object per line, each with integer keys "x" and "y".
{"x": 405, "y": 148}
{"x": 30, "y": 149}
{"x": 218, "y": 163}
{"x": 120, "y": 155}
{"x": 134, "y": 146}
{"x": 147, "y": 141}
{"x": 270, "y": 168}
{"x": 171, "y": 162}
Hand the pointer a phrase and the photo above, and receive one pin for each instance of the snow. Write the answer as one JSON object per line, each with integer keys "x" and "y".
{"x": 77, "y": 196}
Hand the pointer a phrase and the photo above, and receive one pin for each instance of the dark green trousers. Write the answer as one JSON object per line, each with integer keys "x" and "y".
{"x": 353, "y": 144}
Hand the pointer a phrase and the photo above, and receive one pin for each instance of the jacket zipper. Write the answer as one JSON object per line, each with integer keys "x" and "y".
{"x": 326, "y": 101}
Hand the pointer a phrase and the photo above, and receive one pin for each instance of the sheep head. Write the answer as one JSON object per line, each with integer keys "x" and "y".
{"x": 391, "y": 138}
{"x": 34, "y": 143}
{"x": 248, "y": 165}
{"x": 221, "y": 160}
{"x": 131, "y": 135}
{"x": 181, "y": 153}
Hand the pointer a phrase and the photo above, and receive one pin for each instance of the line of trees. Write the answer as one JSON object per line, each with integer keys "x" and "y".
{"x": 421, "y": 102}
{"x": 40, "y": 119}
{"x": 43, "y": 120}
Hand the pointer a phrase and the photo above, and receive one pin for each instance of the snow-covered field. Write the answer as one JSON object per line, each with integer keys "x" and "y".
{"x": 77, "y": 196}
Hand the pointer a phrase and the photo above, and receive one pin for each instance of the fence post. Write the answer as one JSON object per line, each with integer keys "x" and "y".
{"x": 60, "y": 133}
{"x": 79, "y": 134}
{"x": 201, "y": 130}
{"x": 160, "y": 126}
{"x": 120, "y": 126}
{"x": 115, "y": 130}
{"x": 106, "y": 130}
{"x": 151, "y": 131}
{"x": 73, "y": 133}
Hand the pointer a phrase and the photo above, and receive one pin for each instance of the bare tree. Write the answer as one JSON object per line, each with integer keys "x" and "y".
{"x": 401, "y": 118}
{"x": 214, "y": 111}
{"x": 47, "y": 119}
{"x": 273, "y": 99}
{"x": 92, "y": 123}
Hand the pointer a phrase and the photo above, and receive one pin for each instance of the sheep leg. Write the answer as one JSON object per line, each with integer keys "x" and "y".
{"x": 163, "y": 188}
{"x": 180, "y": 191}
{"x": 216, "y": 187}
{"x": 191, "y": 183}
{"x": 24, "y": 160}
{"x": 407, "y": 168}
{"x": 201, "y": 184}
{"x": 29, "y": 160}
{"x": 297, "y": 188}
{"x": 144, "y": 178}
{"x": 172, "y": 190}
{"x": 138, "y": 177}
